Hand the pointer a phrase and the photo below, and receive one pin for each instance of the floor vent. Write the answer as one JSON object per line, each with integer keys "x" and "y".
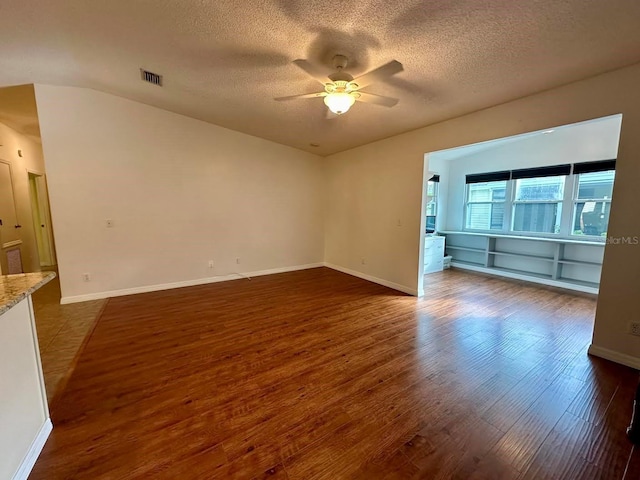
{"x": 151, "y": 77}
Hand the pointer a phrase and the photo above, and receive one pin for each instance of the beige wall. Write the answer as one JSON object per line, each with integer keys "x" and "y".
{"x": 180, "y": 192}
{"x": 373, "y": 189}
{"x": 32, "y": 160}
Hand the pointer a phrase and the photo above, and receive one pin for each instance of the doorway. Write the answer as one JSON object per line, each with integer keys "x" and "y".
{"x": 532, "y": 207}
{"x": 41, "y": 219}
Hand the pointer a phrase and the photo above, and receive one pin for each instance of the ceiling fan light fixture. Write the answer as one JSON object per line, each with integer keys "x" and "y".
{"x": 339, "y": 102}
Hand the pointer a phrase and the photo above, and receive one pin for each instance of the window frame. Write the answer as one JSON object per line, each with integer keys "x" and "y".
{"x": 435, "y": 181}
{"x": 507, "y": 214}
{"x": 567, "y": 210}
{"x": 515, "y": 202}
{"x": 434, "y": 197}
{"x": 575, "y": 200}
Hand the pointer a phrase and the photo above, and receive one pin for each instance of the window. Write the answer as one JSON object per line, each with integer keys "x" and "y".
{"x": 556, "y": 200}
{"x": 432, "y": 197}
{"x": 486, "y": 205}
{"x": 537, "y": 205}
{"x": 592, "y": 203}
{"x": 432, "y": 203}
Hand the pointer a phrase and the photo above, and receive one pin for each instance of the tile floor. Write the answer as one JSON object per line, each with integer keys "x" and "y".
{"x": 61, "y": 331}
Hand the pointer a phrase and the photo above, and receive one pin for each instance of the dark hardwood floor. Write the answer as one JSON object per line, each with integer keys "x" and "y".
{"x": 320, "y": 375}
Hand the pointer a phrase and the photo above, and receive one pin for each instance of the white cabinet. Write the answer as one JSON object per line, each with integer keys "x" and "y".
{"x": 433, "y": 254}
{"x": 23, "y": 408}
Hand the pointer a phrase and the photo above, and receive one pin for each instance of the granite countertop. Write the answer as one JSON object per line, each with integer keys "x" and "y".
{"x": 14, "y": 288}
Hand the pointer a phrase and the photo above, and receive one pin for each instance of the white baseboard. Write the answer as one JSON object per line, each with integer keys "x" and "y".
{"x": 34, "y": 451}
{"x": 185, "y": 283}
{"x": 622, "y": 358}
{"x": 370, "y": 278}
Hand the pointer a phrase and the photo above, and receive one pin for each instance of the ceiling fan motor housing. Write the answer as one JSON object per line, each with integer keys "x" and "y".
{"x": 341, "y": 86}
{"x": 340, "y": 62}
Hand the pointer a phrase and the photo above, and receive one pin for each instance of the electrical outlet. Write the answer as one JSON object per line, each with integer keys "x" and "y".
{"x": 363, "y": 261}
{"x": 635, "y": 328}
{"x": 86, "y": 277}
{"x": 210, "y": 263}
{"x": 109, "y": 223}
{"x": 238, "y": 260}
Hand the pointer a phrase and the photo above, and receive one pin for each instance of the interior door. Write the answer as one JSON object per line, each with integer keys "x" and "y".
{"x": 41, "y": 219}
{"x": 8, "y": 218}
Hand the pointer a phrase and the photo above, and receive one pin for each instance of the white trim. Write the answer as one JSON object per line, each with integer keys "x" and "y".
{"x": 34, "y": 451}
{"x": 13, "y": 243}
{"x": 36, "y": 347}
{"x": 595, "y": 243}
{"x": 527, "y": 278}
{"x": 185, "y": 283}
{"x": 622, "y": 358}
{"x": 34, "y": 172}
{"x": 380, "y": 281}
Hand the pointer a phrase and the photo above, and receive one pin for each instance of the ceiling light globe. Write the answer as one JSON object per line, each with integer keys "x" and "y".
{"x": 339, "y": 102}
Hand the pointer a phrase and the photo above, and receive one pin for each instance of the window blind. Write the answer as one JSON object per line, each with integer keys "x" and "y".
{"x": 488, "y": 177}
{"x": 589, "y": 167}
{"x": 551, "y": 171}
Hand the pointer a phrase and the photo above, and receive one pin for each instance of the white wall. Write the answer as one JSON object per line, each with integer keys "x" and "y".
{"x": 32, "y": 160}
{"x": 180, "y": 192}
{"x": 585, "y": 142}
{"x": 371, "y": 187}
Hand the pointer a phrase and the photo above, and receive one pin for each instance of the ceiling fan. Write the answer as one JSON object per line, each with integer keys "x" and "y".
{"x": 341, "y": 90}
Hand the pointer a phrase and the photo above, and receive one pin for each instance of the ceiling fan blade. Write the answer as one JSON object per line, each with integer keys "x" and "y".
{"x": 318, "y": 73}
{"x": 304, "y": 95}
{"x": 377, "y": 99}
{"x": 379, "y": 73}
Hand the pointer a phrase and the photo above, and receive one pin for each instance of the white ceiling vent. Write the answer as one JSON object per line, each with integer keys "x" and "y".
{"x": 151, "y": 77}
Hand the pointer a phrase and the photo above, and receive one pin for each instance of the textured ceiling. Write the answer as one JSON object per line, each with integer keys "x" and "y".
{"x": 223, "y": 61}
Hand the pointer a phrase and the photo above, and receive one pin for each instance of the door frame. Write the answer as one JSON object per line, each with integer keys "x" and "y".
{"x": 43, "y": 199}
{"x": 12, "y": 243}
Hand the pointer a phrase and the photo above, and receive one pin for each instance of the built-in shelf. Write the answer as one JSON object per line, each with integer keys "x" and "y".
{"x": 466, "y": 249}
{"x": 523, "y": 255}
{"x": 523, "y": 237}
{"x": 465, "y": 262}
{"x": 580, "y": 282}
{"x": 549, "y": 261}
{"x": 579, "y": 262}
{"x": 520, "y": 272}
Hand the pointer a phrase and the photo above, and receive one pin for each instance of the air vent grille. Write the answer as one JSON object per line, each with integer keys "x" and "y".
{"x": 151, "y": 77}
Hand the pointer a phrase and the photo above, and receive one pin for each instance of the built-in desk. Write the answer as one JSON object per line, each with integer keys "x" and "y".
{"x": 24, "y": 415}
{"x": 558, "y": 262}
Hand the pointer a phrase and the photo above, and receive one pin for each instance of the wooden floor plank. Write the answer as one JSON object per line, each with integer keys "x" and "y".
{"x": 561, "y": 454}
{"x": 632, "y": 470}
{"x": 319, "y": 375}
{"x": 521, "y": 442}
